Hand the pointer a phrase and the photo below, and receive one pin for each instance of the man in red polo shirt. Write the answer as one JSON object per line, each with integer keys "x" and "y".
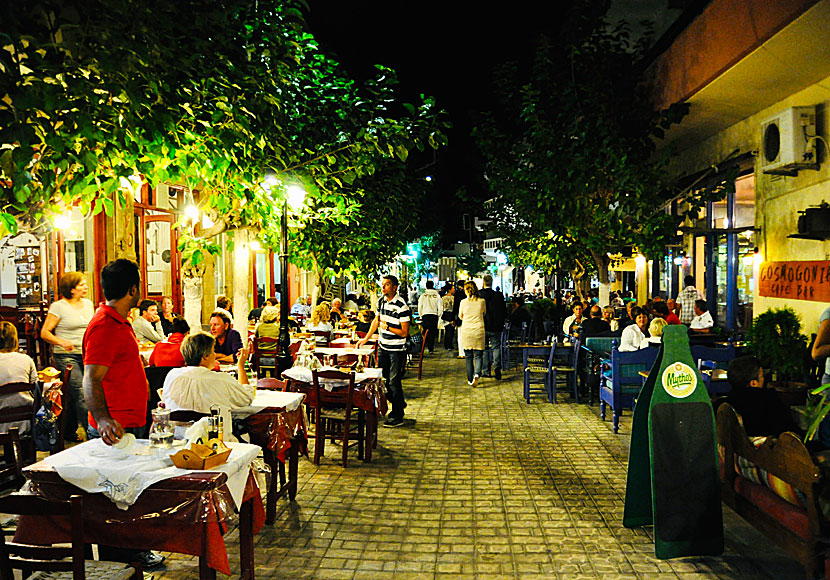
{"x": 168, "y": 352}
{"x": 115, "y": 386}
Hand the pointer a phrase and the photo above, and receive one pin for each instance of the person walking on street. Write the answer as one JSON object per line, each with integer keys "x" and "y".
{"x": 64, "y": 328}
{"x": 392, "y": 323}
{"x": 430, "y": 307}
{"x": 115, "y": 386}
{"x": 456, "y": 303}
{"x": 448, "y": 300}
{"x": 471, "y": 311}
{"x": 686, "y": 300}
{"x": 493, "y": 327}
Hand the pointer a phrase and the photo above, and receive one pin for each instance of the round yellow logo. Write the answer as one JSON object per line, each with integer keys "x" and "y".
{"x": 679, "y": 380}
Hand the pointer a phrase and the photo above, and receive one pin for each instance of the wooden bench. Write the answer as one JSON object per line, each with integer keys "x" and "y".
{"x": 795, "y": 524}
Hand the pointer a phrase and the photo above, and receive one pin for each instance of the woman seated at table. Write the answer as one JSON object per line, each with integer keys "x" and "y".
{"x": 268, "y": 327}
{"x": 655, "y": 330}
{"x": 168, "y": 352}
{"x": 228, "y": 340}
{"x": 364, "y": 320}
{"x": 197, "y": 387}
{"x": 320, "y": 323}
{"x": 635, "y": 335}
{"x": 15, "y": 367}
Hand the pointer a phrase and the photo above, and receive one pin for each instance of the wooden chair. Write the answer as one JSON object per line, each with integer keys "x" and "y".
{"x": 60, "y": 562}
{"x": 621, "y": 384}
{"x": 421, "y": 356}
{"x": 61, "y": 443}
{"x": 334, "y": 413}
{"x": 271, "y": 384}
{"x": 321, "y": 334}
{"x": 265, "y": 356}
{"x": 11, "y": 474}
{"x": 537, "y": 362}
{"x": 708, "y": 360}
{"x": 22, "y": 412}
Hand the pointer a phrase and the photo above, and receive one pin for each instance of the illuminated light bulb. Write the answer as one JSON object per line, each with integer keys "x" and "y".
{"x": 62, "y": 221}
{"x": 192, "y": 212}
{"x": 295, "y": 196}
{"x": 255, "y": 246}
{"x": 428, "y": 178}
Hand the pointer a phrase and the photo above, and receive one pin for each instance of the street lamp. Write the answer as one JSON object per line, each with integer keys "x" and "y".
{"x": 294, "y": 196}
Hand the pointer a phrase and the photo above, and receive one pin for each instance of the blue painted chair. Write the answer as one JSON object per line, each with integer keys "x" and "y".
{"x": 709, "y": 359}
{"x": 505, "y": 348}
{"x": 621, "y": 384}
{"x": 563, "y": 368}
{"x": 537, "y": 362}
{"x": 594, "y": 351}
{"x": 514, "y": 337}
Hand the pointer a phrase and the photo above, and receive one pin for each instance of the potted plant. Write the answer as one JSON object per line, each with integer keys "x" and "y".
{"x": 775, "y": 339}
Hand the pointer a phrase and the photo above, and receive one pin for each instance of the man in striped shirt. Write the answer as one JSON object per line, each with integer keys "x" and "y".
{"x": 393, "y": 322}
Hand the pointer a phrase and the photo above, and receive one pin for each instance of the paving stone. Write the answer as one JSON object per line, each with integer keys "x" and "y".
{"x": 482, "y": 486}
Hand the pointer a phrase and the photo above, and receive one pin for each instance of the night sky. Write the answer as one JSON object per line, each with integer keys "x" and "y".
{"x": 448, "y": 50}
{"x": 443, "y": 49}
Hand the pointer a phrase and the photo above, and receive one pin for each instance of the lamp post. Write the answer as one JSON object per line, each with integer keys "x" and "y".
{"x": 295, "y": 195}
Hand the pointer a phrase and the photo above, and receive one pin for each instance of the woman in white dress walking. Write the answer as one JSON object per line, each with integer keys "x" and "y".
{"x": 471, "y": 312}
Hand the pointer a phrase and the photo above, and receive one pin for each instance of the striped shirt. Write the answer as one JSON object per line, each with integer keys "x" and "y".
{"x": 392, "y": 312}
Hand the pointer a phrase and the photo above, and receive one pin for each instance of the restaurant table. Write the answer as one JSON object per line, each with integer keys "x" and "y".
{"x": 275, "y": 421}
{"x": 369, "y": 395}
{"x": 188, "y": 514}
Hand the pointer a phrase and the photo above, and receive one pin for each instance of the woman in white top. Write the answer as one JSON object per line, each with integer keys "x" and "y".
{"x": 15, "y": 367}
{"x": 64, "y": 328}
{"x": 197, "y": 387}
{"x": 635, "y": 335}
{"x": 471, "y": 312}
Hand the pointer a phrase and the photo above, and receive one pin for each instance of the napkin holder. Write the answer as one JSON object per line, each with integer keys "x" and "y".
{"x": 202, "y": 456}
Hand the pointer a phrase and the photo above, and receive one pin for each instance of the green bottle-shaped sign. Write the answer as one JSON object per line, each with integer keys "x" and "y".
{"x": 673, "y": 479}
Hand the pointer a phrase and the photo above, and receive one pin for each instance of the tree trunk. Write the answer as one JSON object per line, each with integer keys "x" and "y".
{"x": 192, "y": 280}
{"x": 241, "y": 280}
{"x": 602, "y": 262}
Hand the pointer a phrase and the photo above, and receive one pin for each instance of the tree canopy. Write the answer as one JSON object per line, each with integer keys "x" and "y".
{"x": 220, "y": 96}
{"x": 570, "y": 151}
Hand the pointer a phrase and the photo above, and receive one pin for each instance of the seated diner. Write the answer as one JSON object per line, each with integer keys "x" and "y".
{"x": 15, "y": 367}
{"x": 168, "y": 352}
{"x": 197, "y": 387}
{"x": 635, "y": 335}
{"x": 228, "y": 341}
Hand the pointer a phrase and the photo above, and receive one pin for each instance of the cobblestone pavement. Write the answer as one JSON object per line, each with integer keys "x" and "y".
{"x": 482, "y": 486}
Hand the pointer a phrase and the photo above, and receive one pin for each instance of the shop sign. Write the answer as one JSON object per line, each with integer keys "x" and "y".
{"x": 795, "y": 280}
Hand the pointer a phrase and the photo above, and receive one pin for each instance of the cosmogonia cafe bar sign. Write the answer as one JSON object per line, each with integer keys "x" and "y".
{"x": 795, "y": 280}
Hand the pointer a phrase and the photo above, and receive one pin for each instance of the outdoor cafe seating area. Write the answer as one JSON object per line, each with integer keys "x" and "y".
{"x": 132, "y": 495}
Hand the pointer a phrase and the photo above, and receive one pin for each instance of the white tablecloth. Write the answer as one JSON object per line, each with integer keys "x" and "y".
{"x": 303, "y": 374}
{"x": 96, "y": 467}
{"x": 266, "y": 398}
{"x": 364, "y": 350}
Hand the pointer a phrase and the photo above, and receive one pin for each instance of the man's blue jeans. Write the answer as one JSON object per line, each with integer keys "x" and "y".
{"x": 392, "y": 363}
{"x": 492, "y": 350}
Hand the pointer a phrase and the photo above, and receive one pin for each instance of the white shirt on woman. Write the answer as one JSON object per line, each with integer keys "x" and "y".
{"x": 16, "y": 367}
{"x": 72, "y": 322}
{"x": 631, "y": 339}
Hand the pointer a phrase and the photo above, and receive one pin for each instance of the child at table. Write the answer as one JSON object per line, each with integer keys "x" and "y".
{"x": 197, "y": 388}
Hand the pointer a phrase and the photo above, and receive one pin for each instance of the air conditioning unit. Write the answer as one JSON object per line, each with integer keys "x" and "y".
{"x": 787, "y": 143}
